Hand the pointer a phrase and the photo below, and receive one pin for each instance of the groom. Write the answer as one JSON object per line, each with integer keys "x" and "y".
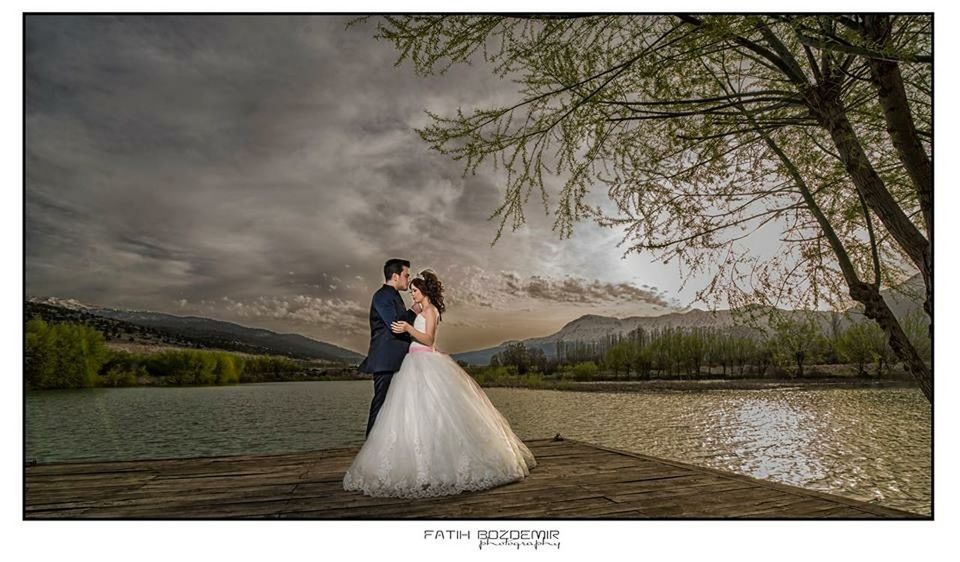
{"x": 387, "y": 349}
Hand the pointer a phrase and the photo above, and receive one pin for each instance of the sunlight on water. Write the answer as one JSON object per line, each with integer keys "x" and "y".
{"x": 867, "y": 444}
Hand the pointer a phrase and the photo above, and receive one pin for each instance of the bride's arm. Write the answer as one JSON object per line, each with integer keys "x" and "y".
{"x": 430, "y": 330}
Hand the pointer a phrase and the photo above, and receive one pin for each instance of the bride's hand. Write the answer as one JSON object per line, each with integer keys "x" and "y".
{"x": 399, "y": 327}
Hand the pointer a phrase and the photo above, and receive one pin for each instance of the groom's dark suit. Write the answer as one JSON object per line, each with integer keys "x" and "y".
{"x": 387, "y": 349}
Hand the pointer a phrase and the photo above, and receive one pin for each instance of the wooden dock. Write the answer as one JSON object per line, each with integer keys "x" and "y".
{"x": 573, "y": 480}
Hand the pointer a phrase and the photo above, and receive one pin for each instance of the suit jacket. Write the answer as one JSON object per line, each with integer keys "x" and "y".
{"x": 387, "y": 349}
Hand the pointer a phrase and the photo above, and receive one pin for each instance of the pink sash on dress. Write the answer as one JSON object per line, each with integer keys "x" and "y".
{"x": 422, "y": 349}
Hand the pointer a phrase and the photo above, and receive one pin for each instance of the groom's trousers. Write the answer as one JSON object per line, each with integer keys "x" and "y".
{"x": 381, "y": 383}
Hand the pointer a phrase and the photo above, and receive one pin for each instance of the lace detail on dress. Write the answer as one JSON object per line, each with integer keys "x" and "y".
{"x": 466, "y": 483}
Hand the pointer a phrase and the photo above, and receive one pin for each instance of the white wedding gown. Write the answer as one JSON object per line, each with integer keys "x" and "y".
{"x": 436, "y": 434}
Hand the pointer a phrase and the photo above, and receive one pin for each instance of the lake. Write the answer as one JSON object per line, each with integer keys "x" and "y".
{"x": 867, "y": 444}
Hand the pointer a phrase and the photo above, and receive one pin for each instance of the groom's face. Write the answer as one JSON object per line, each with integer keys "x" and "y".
{"x": 403, "y": 283}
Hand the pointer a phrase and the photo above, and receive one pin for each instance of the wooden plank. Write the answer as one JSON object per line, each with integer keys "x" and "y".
{"x": 89, "y": 484}
{"x": 611, "y": 511}
{"x": 572, "y": 480}
{"x": 553, "y": 509}
{"x": 846, "y": 512}
{"x": 801, "y": 507}
{"x": 745, "y": 500}
{"x": 663, "y": 491}
{"x": 139, "y": 498}
{"x": 676, "y": 482}
{"x": 202, "y": 511}
{"x": 626, "y": 476}
{"x": 699, "y": 505}
{"x": 166, "y": 464}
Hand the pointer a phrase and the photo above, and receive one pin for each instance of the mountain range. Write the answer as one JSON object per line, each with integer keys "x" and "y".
{"x": 593, "y": 328}
{"x": 189, "y": 331}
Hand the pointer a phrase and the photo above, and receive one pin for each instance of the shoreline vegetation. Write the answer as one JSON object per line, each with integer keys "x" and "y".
{"x": 66, "y": 355}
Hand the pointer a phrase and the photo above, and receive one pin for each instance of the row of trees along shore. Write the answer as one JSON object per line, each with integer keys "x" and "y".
{"x": 70, "y": 355}
{"x": 672, "y": 352}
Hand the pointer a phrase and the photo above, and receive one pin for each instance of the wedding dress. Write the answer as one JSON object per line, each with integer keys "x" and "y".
{"x": 436, "y": 434}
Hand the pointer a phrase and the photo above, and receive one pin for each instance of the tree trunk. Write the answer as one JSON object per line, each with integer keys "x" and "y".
{"x": 876, "y": 308}
{"x": 830, "y": 113}
{"x": 886, "y": 77}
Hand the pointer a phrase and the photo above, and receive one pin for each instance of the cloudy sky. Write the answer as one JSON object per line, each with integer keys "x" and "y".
{"x": 261, "y": 169}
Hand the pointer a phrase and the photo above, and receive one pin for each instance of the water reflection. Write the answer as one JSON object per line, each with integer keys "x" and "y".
{"x": 868, "y": 444}
{"x": 765, "y": 437}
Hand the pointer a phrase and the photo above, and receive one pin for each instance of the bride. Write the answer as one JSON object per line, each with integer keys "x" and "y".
{"x": 437, "y": 433}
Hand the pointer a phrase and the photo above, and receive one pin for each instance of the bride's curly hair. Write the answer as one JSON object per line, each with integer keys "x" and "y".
{"x": 428, "y": 284}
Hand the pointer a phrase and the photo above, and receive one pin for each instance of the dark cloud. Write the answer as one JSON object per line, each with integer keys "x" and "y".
{"x": 473, "y": 285}
{"x": 582, "y": 291}
{"x": 263, "y": 168}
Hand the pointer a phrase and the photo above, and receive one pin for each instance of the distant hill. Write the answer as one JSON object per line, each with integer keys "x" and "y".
{"x": 186, "y": 331}
{"x": 594, "y": 328}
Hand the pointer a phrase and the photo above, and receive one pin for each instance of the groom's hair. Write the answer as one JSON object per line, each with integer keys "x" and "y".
{"x": 394, "y": 266}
